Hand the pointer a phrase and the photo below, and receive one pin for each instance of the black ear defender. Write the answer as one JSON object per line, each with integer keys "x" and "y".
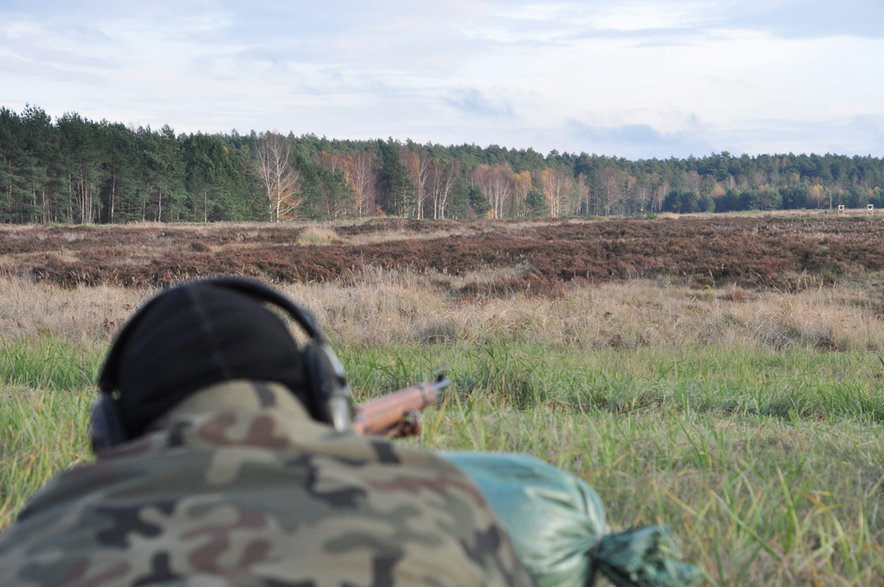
{"x": 106, "y": 425}
{"x": 328, "y": 397}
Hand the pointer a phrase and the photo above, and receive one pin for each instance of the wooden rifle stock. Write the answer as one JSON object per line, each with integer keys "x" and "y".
{"x": 397, "y": 414}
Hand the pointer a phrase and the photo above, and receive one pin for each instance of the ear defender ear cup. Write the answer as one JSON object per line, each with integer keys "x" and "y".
{"x": 333, "y": 399}
{"x": 106, "y": 425}
{"x": 316, "y": 372}
{"x": 206, "y": 331}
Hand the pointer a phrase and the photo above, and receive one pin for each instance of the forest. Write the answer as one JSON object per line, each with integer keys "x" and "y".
{"x": 79, "y": 171}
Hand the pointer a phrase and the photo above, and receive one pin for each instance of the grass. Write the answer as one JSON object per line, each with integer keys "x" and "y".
{"x": 752, "y": 424}
{"x": 45, "y": 395}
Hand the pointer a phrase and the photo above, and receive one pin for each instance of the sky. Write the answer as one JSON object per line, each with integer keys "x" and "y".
{"x": 634, "y": 79}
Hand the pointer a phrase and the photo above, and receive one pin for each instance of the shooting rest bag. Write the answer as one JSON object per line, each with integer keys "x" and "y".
{"x": 557, "y": 524}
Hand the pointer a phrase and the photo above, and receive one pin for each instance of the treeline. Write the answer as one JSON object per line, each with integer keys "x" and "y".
{"x": 74, "y": 170}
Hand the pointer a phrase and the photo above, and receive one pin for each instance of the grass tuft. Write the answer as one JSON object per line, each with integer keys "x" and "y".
{"x": 318, "y": 235}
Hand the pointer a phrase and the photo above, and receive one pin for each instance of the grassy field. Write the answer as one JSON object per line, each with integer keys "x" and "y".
{"x": 750, "y": 421}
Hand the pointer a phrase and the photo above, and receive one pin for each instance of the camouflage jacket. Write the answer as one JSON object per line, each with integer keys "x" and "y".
{"x": 238, "y": 486}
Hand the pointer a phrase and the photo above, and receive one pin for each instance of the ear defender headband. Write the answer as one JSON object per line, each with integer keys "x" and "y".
{"x": 327, "y": 397}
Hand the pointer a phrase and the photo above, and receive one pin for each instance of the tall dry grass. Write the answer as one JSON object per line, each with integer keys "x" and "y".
{"x": 381, "y": 308}
{"x": 82, "y": 316}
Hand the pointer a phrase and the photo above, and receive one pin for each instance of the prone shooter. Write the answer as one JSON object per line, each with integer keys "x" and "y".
{"x": 227, "y": 453}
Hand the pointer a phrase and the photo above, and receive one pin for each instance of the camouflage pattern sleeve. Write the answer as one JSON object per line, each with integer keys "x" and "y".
{"x": 258, "y": 495}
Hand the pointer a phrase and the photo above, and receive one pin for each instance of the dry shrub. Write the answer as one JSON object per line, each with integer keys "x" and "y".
{"x": 198, "y": 247}
{"x": 318, "y": 235}
{"x": 736, "y": 295}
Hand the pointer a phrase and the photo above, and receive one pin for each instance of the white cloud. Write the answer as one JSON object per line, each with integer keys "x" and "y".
{"x": 638, "y": 16}
{"x": 635, "y": 75}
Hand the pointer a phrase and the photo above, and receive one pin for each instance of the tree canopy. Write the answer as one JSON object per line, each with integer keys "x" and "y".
{"x": 75, "y": 170}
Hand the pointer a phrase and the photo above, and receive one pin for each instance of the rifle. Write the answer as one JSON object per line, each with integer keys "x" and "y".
{"x": 398, "y": 414}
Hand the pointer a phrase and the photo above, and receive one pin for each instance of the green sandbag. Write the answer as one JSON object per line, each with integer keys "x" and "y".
{"x": 557, "y": 524}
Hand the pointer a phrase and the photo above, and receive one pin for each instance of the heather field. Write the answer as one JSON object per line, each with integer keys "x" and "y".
{"x": 776, "y": 251}
{"x": 723, "y": 375}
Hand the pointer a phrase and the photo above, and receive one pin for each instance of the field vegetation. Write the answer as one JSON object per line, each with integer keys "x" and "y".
{"x": 725, "y": 378}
